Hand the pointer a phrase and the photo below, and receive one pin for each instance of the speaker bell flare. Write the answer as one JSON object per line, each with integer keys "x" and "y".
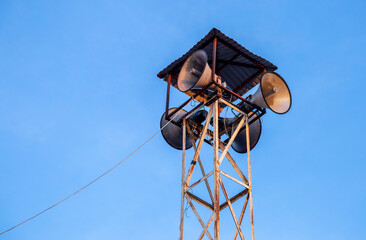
{"x": 240, "y": 142}
{"x": 273, "y": 93}
{"x": 195, "y": 73}
{"x": 173, "y": 134}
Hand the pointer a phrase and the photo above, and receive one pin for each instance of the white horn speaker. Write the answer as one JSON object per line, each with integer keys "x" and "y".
{"x": 273, "y": 93}
{"x": 195, "y": 73}
{"x": 240, "y": 142}
{"x": 173, "y": 134}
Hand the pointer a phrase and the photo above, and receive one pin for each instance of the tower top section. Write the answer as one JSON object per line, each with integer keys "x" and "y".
{"x": 237, "y": 66}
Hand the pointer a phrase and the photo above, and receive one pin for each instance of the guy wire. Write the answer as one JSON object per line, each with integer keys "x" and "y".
{"x": 90, "y": 183}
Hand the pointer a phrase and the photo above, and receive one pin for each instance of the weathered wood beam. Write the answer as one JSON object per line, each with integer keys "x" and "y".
{"x": 200, "y": 201}
{"x": 235, "y": 166}
{"x": 197, "y": 151}
{"x": 231, "y": 209}
{"x": 250, "y": 178}
{"x": 232, "y": 138}
{"x": 241, "y": 215}
{"x": 201, "y": 166}
{"x": 234, "y": 179}
{"x": 202, "y": 179}
{"x": 207, "y": 226}
{"x": 183, "y": 178}
{"x": 234, "y": 199}
{"x": 232, "y": 106}
{"x": 216, "y": 170}
{"x": 199, "y": 218}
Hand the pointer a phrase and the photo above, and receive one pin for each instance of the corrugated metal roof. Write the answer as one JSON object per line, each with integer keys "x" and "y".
{"x": 236, "y": 65}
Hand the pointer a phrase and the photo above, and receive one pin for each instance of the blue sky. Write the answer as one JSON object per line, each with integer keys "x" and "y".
{"x": 79, "y": 92}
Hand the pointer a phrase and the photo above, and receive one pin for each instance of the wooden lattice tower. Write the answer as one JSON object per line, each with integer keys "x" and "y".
{"x": 240, "y": 69}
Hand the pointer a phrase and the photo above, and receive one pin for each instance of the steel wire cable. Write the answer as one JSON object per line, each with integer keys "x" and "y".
{"x": 90, "y": 183}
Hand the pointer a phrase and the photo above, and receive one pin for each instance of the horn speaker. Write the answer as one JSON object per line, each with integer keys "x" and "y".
{"x": 240, "y": 142}
{"x": 273, "y": 93}
{"x": 195, "y": 73}
{"x": 173, "y": 134}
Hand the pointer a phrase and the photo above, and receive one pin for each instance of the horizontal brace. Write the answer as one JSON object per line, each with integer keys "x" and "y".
{"x": 234, "y": 199}
{"x": 200, "y": 201}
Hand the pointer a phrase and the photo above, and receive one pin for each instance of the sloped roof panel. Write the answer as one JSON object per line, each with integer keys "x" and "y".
{"x": 236, "y": 65}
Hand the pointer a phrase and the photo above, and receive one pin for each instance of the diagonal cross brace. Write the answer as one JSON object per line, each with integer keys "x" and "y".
{"x": 198, "y": 217}
{"x": 196, "y": 154}
{"x": 234, "y": 179}
{"x": 232, "y": 138}
{"x": 242, "y": 215}
{"x": 231, "y": 209}
{"x": 201, "y": 166}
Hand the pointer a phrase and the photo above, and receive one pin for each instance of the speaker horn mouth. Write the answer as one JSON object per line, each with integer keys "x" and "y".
{"x": 255, "y": 130}
{"x": 193, "y": 69}
{"x": 240, "y": 142}
{"x": 276, "y": 93}
{"x": 173, "y": 134}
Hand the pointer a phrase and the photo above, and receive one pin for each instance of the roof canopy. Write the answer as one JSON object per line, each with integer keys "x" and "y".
{"x": 237, "y": 66}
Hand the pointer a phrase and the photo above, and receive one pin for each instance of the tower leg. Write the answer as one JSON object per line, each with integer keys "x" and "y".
{"x": 249, "y": 176}
{"x": 183, "y": 179}
{"x": 216, "y": 171}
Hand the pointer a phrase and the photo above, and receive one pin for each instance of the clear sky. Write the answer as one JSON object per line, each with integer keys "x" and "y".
{"x": 78, "y": 92}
